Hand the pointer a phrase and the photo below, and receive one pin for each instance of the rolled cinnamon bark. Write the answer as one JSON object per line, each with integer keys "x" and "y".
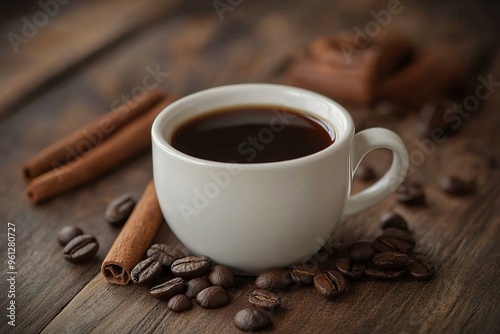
{"x": 134, "y": 238}
{"x": 123, "y": 145}
{"x": 85, "y": 138}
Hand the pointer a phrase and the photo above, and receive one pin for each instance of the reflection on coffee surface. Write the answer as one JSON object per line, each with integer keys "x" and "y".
{"x": 252, "y": 134}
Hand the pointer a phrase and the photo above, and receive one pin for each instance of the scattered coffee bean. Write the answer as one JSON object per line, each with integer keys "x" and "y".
{"x": 399, "y": 234}
{"x": 393, "y": 220}
{"x": 272, "y": 279}
{"x": 212, "y": 297}
{"x": 194, "y": 286}
{"x": 265, "y": 299}
{"x": 67, "y": 233}
{"x": 146, "y": 272}
{"x": 390, "y": 244}
{"x": 432, "y": 118}
{"x": 330, "y": 284}
{"x": 191, "y": 266}
{"x": 251, "y": 319}
{"x": 361, "y": 251}
{"x": 365, "y": 174}
{"x": 165, "y": 254}
{"x": 81, "y": 248}
{"x": 119, "y": 209}
{"x": 453, "y": 185}
{"x": 349, "y": 269}
{"x": 390, "y": 260}
{"x": 221, "y": 276}
{"x": 389, "y": 275}
{"x": 167, "y": 290}
{"x": 302, "y": 273}
{"x": 179, "y": 303}
{"x": 421, "y": 268}
{"x": 411, "y": 194}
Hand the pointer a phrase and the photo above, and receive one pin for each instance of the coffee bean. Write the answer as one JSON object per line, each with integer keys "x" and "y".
{"x": 455, "y": 186}
{"x": 303, "y": 273}
{"x": 273, "y": 279}
{"x": 191, "y": 266}
{"x": 433, "y": 115}
{"x": 393, "y": 220}
{"x": 221, "y": 276}
{"x": 146, "y": 272}
{"x": 365, "y": 174}
{"x": 398, "y": 234}
{"x": 81, "y": 248}
{"x": 361, "y": 251}
{"x": 194, "y": 286}
{"x": 67, "y": 233}
{"x": 330, "y": 284}
{"x": 390, "y": 260}
{"x": 421, "y": 268}
{"x": 349, "y": 269}
{"x": 388, "y": 275}
{"x": 390, "y": 244}
{"x": 251, "y": 319}
{"x": 165, "y": 254}
{"x": 212, "y": 297}
{"x": 119, "y": 209}
{"x": 411, "y": 194}
{"x": 265, "y": 299}
{"x": 179, "y": 303}
{"x": 167, "y": 290}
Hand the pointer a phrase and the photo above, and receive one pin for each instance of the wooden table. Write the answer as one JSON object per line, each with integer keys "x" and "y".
{"x": 92, "y": 52}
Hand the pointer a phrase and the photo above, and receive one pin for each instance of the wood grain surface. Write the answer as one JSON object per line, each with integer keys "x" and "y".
{"x": 192, "y": 49}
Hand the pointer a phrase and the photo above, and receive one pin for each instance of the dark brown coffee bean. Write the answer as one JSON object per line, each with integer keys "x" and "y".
{"x": 265, "y": 299}
{"x": 303, "y": 273}
{"x": 251, "y": 319}
{"x": 361, "y": 251}
{"x": 221, "y": 276}
{"x": 212, "y": 297}
{"x": 432, "y": 118}
{"x": 390, "y": 260}
{"x": 194, "y": 286}
{"x": 390, "y": 244}
{"x": 349, "y": 269}
{"x": 67, "y": 233}
{"x": 388, "y": 275}
{"x": 146, "y": 272}
{"x": 81, "y": 248}
{"x": 179, "y": 303}
{"x": 330, "y": 284}
{"x": 191, "y": 266}
{"x": 455, "y": 186}
{"x": 273, "y": 279}
{"x": 167, "y": 290}
{"x": 398, "y": 234}
{"x": 365, "y": 174}
{"x": 119, "y": 209}
{"x": 421, "y": 268}
{"x": 411, "y": 194}
{"x": 393, "y": 220}
{"x": 165, "y": 254}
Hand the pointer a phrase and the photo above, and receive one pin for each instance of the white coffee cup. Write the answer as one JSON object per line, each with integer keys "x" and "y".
{"x": 255, "y": 216}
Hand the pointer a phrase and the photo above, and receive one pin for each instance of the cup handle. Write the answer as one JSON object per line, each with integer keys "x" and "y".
{"x": 364, "y": 142}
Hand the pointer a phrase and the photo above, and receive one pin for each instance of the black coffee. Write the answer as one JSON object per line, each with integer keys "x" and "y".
{"x": 253, "y": 134}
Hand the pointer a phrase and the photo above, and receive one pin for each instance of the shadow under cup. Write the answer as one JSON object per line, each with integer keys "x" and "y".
{"x": 253, "y": 216}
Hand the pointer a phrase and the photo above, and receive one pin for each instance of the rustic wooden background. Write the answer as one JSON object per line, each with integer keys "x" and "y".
{"x": 91, "y": 52}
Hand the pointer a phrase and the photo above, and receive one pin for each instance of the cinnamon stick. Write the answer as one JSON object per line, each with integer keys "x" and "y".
{"x": 85, "y": 138}
{"x": 134, "y": 238}
{"x": 126, "y": 143}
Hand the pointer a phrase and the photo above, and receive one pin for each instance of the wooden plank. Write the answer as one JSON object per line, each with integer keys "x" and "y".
{"x": 70, "y": 36}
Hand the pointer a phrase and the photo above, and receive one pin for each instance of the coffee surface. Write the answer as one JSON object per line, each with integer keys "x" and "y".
{"x": 252, "y": 134}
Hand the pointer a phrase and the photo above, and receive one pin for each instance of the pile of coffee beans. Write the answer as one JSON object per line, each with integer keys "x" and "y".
{"x": 78, "y": 246}
{"x": 194, "y": 278}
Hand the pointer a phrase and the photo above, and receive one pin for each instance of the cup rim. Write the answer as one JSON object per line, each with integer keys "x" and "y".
{"x": 340, "y": 139}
